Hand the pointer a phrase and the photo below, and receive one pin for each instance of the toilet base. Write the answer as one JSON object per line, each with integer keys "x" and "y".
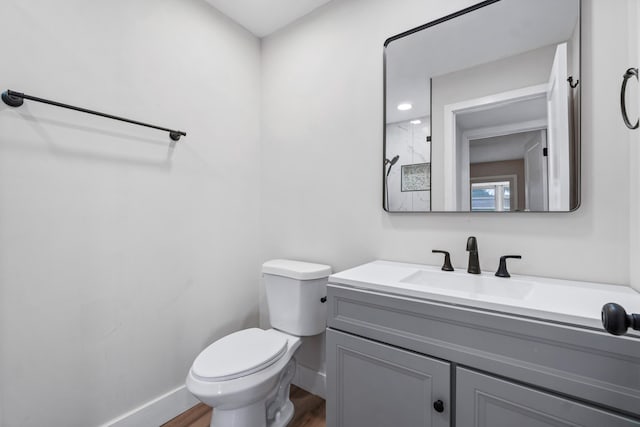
{"x": 252, "y": 415}
{"x": 284, "y": 415}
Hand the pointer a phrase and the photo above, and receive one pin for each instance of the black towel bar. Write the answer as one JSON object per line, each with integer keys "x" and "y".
{"x": 16, "y": 99}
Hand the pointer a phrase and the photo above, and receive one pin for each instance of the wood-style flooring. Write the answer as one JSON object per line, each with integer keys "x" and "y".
{"x": 309, "y": 412}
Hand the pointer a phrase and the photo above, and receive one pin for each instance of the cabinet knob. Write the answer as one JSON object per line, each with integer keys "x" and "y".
{"x": 616, "y": 320}
{"x": 438, "y": 405}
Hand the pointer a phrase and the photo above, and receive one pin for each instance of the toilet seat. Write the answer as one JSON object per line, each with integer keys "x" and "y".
{"x": 239, "y": 354}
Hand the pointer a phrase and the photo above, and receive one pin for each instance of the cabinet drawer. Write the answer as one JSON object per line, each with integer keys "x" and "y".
{"x": 486, "y": 401}
{"x": 375, "y": 385}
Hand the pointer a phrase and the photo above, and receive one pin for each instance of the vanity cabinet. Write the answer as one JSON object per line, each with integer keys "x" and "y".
{"x": 390, "y": 357}
{"x": 377, "y": 385}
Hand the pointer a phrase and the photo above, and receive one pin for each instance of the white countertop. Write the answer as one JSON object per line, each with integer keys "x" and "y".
{"x": 565, "y": 301}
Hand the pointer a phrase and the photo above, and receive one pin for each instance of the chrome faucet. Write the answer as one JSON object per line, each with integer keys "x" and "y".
{"x": 472, "y": 248}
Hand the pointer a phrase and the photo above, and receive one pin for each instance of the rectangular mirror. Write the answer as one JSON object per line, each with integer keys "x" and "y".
{"x": 482, "y": 111}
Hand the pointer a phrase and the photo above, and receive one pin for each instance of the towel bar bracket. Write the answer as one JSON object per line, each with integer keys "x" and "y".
{"x": 12, "y": 100}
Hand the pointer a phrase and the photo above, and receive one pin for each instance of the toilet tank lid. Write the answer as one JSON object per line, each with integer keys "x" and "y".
{"x": 296, "y": 269}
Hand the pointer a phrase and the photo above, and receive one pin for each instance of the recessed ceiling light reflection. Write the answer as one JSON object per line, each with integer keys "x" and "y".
{"x": 415, "y": 122}
{"x": 405, "y": 107}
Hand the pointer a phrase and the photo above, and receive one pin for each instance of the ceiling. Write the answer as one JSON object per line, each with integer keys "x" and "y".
{"x": 263, "y": 17}
{"x": 527, "y": 110}
{"x": 501, "y": 148}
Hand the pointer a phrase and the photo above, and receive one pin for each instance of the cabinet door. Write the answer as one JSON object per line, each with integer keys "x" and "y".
{"x": 486, "y": 401}
{"x": 375, "y": 385}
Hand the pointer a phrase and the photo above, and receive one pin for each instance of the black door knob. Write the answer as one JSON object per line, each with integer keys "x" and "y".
{"x": 438, "y": 405}
{"x": 616, "y": 320}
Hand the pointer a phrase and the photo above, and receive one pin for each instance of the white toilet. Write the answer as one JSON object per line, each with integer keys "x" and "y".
{"x": 246, "y": 376}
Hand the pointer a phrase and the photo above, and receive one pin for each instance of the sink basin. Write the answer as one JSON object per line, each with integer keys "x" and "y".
{"x": 470, "y": 285}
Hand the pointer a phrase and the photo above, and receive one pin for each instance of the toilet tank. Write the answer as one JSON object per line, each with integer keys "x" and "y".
{"x": 295, "y": 292}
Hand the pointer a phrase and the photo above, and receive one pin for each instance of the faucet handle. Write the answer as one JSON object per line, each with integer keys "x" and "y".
{"x": 447, "y": 259}
{"x": 502, "y": 268}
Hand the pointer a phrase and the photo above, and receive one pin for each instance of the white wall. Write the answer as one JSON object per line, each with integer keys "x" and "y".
{"x": 322, "y": 117}
{"x": 120, "y": 258}
{"x": 633, "y": 105}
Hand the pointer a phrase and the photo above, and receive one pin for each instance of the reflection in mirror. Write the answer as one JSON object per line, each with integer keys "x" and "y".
{"x": 481, "y": 112}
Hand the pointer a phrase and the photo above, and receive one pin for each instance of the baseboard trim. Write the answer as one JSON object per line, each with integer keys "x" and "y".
{"x": 171, "y": 404}
{"x": 312, "y": 381}
{"x": 158, "y": 411}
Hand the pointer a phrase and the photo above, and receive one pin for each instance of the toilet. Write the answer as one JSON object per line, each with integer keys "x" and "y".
{"x": 245, "y": 376}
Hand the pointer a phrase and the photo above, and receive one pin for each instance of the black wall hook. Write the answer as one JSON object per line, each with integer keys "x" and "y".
{"x": 572, "y": 84}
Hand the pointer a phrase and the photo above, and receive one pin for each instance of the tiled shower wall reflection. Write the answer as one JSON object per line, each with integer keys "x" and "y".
{"x": 409, "y": 141}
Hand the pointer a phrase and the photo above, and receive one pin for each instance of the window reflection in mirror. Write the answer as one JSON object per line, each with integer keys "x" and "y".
{"x": 483, "y": 97}
{"x": 491, "y": 196}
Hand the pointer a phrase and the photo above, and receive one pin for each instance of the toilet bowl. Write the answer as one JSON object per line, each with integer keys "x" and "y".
{"x": 245, "y": 376}
{"x": 242, "y": 390}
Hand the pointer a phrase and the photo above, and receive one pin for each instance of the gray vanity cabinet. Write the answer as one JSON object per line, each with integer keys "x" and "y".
{"x": 390, "y": 357}
{"x": 376, "y": 385}
{"x": 486, "y": 401}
